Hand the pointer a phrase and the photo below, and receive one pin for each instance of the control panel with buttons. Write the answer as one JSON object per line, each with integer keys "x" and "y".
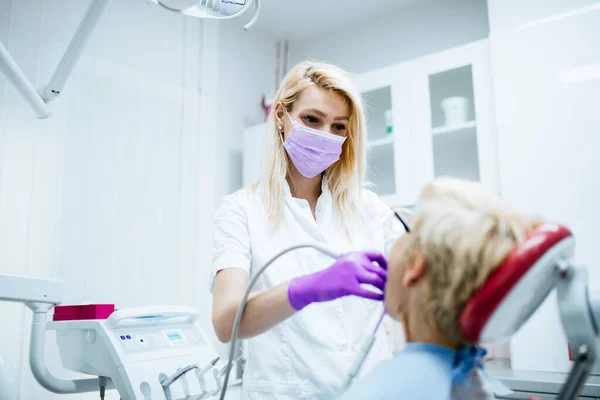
{"x": 148, "y": 340}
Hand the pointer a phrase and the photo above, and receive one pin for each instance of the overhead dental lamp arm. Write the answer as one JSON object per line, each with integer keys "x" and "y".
{"x": 15, "y": 75}
{"x": 38, "y": 100}
{"x": 67, "y": 63}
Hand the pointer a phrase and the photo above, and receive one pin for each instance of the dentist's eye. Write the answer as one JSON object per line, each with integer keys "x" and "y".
{"x": 309, "y": 119}
{"x": 339, "y": 128}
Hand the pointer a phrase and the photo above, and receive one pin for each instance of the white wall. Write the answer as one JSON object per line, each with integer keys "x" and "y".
{"x": 421, "y": 28}
{"x": 114, "y": 194}
{"x": 247, "y": 70}
{"x": 246, "y": 64}
{"x": 548, "y": 140}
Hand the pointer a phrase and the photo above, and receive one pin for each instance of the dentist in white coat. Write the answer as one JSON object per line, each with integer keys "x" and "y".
{"x": 311, "y": 192}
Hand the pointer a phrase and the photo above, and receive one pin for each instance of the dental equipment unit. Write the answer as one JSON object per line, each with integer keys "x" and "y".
{"x": 38, "y": 100}
{"x": 145, "y": 353}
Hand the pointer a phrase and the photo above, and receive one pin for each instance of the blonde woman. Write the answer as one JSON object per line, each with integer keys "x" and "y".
{"x": 459, "y": 234}
{"x": 311, "y": 192}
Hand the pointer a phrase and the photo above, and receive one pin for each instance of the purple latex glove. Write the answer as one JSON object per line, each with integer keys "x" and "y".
{"x": 342, "y": 278}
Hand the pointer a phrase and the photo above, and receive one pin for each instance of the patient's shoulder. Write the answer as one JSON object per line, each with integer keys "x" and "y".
{"x": 411, "y": 375}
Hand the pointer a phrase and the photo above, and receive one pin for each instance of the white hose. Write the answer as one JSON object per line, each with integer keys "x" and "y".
{"x": 364, "y": 351}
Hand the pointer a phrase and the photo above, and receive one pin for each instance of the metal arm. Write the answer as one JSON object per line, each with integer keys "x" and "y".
{"x": 65, "y": 67}
{"x": 579, "y": 315}
{"x": 38, "y": 365}
{"x": 15, "y": 75}
{"x": 25, "y": 289}
{"x": 40, "y": 295}
{"x": 38, "y": 100}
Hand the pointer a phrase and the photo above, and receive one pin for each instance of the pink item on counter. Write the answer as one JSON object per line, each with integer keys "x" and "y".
{"x": 84, "y": 311}
{"x": 265, "y": 107}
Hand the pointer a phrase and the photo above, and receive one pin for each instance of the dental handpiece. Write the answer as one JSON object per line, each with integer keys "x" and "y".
{"x": 207, "y": 368}
{"x": 169, "y": 380}
{"x": 223, "y": 370}
{"x": 365, "y": 349}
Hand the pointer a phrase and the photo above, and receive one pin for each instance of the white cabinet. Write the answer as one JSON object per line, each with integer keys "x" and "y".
{"x": 430, "y": 117}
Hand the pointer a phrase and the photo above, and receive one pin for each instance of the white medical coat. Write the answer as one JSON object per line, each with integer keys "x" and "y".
{"x": 308, "y": 355}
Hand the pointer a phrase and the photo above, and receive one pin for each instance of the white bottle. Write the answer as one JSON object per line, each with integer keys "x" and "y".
{"x": 389, "y": 122}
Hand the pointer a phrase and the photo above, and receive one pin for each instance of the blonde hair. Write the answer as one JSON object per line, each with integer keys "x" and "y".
{"x": 464, "y": 233}
{"x": 345, "y": 177}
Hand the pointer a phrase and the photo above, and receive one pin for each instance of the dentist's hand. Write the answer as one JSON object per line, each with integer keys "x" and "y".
{"x": 343, "y": 278}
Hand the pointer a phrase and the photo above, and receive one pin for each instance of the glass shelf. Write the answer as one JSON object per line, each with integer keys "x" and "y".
{"x": 453, "y": 124}
{"x": 377, "y": 103}
{"x": 455, "y": 154}
{"x": 453, "y": 128}
{"x": 381, "y": 169}
{"x": 380, "y": 141}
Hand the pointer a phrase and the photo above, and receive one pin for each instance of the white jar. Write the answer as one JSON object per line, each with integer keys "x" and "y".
{"x": 455, "y": 110}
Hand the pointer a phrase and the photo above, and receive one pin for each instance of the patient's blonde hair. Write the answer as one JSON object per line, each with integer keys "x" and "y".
{"x": 464, "y": 233}
{"x": 344, "y": 178}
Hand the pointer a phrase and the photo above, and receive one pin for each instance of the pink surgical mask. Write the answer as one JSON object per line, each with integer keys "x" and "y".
{"x": 312, "y": 151}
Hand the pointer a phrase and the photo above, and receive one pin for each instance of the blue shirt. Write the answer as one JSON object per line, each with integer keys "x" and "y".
{"x": 420, "y": 371}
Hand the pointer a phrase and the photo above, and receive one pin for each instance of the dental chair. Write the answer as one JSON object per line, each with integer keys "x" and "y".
{"x": 512, "y": 293}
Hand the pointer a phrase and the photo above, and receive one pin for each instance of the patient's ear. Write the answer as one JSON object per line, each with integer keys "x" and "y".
{"x": 414, "y": 270}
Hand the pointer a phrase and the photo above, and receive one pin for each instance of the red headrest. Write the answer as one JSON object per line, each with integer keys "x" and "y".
{"x": 513, "y": 292}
